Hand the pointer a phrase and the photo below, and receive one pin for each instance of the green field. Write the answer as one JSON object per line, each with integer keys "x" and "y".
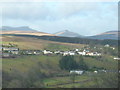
{"x": 48, "y": 65}
{"x": 36, "y": 71}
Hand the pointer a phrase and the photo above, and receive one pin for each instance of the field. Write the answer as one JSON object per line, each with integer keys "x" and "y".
{"x": 48, "y": 65}
{"x": 33, "y": 71}
{"x": 25, "y": 43}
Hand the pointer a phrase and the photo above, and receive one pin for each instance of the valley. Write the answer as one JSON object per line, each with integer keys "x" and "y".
{"x": 45, "y": 71}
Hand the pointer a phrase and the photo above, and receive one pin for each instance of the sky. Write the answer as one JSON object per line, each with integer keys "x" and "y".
{"x": 84, "y": 18}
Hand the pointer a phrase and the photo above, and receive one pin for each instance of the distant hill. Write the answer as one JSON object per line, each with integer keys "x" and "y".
{"x": 67, "y": 33}
{"x": 106, "y": 35}
{"x": 25, "y": 30}
{"x": 22, "y": 30}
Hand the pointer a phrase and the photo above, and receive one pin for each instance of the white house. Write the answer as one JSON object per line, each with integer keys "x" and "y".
{"x": 104, "y": 70}
{"x": 96, "y": 54}
{"x": 36, "y": 52}
{"x": 47, "y": 52}
{"x": 82, "y": 53}
{"x": 14, "y": 52}
{"x": 76, "y": 50}
{"x": 9, "y": 49}
{"x": 116, "y": 58}
{"x": 76, "y": 72}
{"x": 57, "y": 52}
{"x": 65, "y": 53}
{"x": 107, "y": 45}
{"x": 95, "y": 71}
{"x": 90, "y": 54}
{"x": 71, "y": 53}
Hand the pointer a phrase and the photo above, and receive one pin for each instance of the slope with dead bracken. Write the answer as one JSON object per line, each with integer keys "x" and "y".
{"x": 27, "y": 33}
{"x": 35, "y": 43}
{"x": 25, "y": 30}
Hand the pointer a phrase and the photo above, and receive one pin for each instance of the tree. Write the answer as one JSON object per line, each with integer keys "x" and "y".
{"x": 68, "y": 63}
{"x": 81, "y": 64}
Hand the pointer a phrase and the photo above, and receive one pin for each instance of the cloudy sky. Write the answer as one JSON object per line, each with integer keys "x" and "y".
{"x": 85, "y": 18}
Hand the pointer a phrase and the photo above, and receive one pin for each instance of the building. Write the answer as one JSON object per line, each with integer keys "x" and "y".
{"x": 116, "y": 58}
{"x": 95, "y": 71}
{"x": 10, "y": 49}
{"x": 79, "y": 72}
{"x": 14, "y": 52}
{"x": 47, "y": 52}
{"x": 107, "y": 45}
{"x": 65, "y": 53}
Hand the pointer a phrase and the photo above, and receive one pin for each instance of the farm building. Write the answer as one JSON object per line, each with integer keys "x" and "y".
{"x": 76, "y": 72}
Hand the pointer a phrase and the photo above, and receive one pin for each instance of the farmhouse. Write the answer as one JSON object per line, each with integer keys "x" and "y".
{"x": 10, "y": 49}
{"x": 82, "y": 53}
{"x": 94, "y": 54}
{"x": 95, "y": 71}
{"x": 31, "y": 52}
{"x": 68, "y": 53}
{"x": 116, "y": 58}
{"x": 71, "y": 53}
{"x": 14, "y": 52}
{"x": 76, "y": 72}
{"x": 107, "y": 45}
{"x": 57, "y": 52}
{"x": 76, "y": 50}
{"x": 36, "y": 52}
{"x": 27, "y": 52}
{"x": 65, "y": 53}
{"x": 47, "y": 52}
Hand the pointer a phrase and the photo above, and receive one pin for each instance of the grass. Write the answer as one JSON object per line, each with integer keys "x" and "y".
{"x": 107, "y": 63}
{"x": 66, "y": 79}
{"x": 49, "y": 65}
{"x": 37, "y": 44}
{"x": 26, "y": 62}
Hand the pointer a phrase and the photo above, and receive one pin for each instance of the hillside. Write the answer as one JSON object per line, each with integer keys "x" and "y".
{"x": 22, "y": 30}
{"x": 25, "y": 30}
{"x": 37, "y": 44}
{"x": 114, "y": 35}
{"x": 107, "y": 35}
{"x": 67, "y": 33}
{"x": 43, "y": 71}
{"x": 74, "y": 40}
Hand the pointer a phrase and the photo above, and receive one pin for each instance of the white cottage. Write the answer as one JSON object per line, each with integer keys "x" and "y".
{"x": 47, "y": 52}
{"x": 76, "y": 72}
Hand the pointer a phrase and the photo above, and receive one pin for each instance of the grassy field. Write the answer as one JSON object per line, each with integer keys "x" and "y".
{"x": 49, "y": 66}
{"x": 43, "y": 70}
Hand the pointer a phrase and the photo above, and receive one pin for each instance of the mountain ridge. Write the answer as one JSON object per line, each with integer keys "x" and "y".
{"x": 22, "y": 30}
{"x": 114, "y": 34}
{"x": 67, "y": 33}
{"x": 107, "y": 35}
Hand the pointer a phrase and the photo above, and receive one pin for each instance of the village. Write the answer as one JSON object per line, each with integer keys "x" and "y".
{"x": 12, "y": 51}
{"x": 8, "y": 52}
